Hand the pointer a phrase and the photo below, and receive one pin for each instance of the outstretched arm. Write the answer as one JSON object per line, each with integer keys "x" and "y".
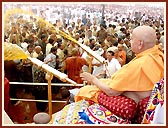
{"x": 95, "y": 81}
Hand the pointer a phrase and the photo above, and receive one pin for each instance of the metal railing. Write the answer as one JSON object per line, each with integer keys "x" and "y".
{"x": 43, "y": 84}
{"x": 53, "y": 84}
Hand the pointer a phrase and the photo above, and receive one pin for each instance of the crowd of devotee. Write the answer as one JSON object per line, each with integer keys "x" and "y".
{"x": 106, "y": 31}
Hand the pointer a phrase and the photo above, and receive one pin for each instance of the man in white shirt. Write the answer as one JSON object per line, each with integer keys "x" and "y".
{"x": 98, "y": 67}
{"x": 51, "y": 58}
{"x": 111, "y": 66}
{"x": 49, "y": 45}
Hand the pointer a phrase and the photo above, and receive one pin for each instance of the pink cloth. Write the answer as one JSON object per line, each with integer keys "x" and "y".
{"x": 121, "y": 106}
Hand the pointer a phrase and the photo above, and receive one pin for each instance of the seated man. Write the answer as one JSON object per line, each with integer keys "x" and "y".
{"x": 134, "y": 80}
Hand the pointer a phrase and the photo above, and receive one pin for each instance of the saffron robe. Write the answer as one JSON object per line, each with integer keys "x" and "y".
{"x": 140, "y": 74}
{"x": 74, "y": 68}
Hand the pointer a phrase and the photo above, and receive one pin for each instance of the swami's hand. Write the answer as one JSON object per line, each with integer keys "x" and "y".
{"x": 87, "y": 77}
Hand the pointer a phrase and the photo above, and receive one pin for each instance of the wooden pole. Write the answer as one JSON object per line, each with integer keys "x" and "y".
{"x": 90, "y": 64}
{"x": 49, "y": 77}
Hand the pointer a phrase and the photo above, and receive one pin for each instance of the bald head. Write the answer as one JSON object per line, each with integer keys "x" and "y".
{"x": 146, "y": 34}
{"x": 143, "y": 38}
{"x": 74, "y": 52}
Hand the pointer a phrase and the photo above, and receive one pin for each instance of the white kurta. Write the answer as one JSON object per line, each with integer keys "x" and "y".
{"x": 112, "y": 67}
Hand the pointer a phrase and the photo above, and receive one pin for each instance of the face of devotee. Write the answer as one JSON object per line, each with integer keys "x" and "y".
{"x": 77, "y": 36}
{"x": 38, "y": 50}
{"x": 122, "y": 41}
{"x": 14, "y": 29}
{"x": 120, "y": 47}
{"x": 109, "y": 56}
{"x": 101, "y": 27}
{"x": 116, "y": 53}
{"x": 30, "y": 49}
{"x": 93, "y": 42}
{"x": 89, "y": 33}
{"x": 95, "y": 28}
{"x": 55, "y": 38}
{"x": 70, "y": 29}
{"x": 55, "y": 52}
{"x": 45, "y": 39}
{"x": 128, "y": 37}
